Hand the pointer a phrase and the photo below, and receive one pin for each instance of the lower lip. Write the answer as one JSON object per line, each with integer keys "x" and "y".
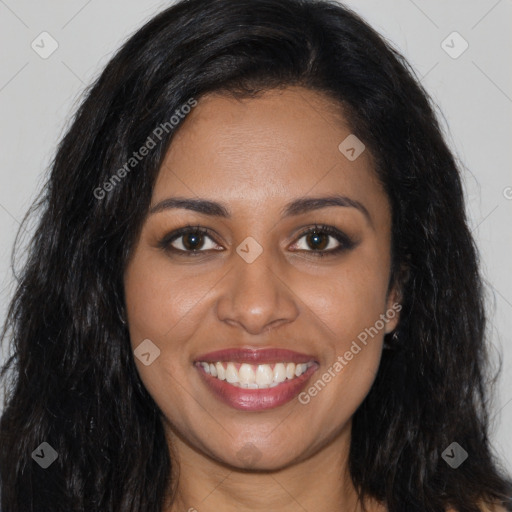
{"x": 256, "y": 399}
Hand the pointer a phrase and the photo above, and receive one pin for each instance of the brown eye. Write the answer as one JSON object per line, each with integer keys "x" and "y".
{"x": 323, "y": 241}
{"x": 191, "y": 240}
{"x": 317, "y": 241}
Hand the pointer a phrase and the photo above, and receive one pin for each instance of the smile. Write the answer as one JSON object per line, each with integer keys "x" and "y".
{"x": 247, "y": 385}
{"x": 249, "y": 376}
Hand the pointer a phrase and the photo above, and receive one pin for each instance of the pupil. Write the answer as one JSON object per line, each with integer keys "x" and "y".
{"x": 316, "y": 239}
{"x": 196, "y": 239}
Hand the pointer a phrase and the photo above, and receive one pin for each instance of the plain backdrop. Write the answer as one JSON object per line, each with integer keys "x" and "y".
{"x": 473, "y": 89}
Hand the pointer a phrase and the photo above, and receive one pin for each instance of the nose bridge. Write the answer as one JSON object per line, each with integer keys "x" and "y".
{"x": 255, "y": 296}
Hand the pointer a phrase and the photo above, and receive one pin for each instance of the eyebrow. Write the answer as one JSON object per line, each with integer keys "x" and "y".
{"x": 296, "y": 207}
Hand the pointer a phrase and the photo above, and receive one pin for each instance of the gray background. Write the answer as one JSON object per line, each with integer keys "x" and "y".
{"x": 473, "y": 91}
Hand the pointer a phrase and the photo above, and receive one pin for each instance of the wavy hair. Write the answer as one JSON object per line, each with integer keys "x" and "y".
{"x": 71, "y": 379}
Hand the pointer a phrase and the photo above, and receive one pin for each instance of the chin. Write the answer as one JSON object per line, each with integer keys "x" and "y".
{"x": 251, "y": 457}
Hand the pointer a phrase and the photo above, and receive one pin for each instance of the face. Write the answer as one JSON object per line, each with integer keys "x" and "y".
{"x": 268, "y": 271}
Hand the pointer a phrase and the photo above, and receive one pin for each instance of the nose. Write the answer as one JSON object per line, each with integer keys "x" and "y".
{"x": 255, "y": 296}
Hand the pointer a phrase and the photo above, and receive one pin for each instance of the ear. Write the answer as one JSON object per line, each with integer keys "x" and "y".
{"x": 393, "y": 308}
{"x": 394, "y": 300}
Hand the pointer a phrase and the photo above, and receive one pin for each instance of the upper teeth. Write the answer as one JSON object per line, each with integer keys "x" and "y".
{"x": 255, "y": 376}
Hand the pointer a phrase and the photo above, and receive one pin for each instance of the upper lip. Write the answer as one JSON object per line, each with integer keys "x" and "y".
{"x": 256, "y": 356}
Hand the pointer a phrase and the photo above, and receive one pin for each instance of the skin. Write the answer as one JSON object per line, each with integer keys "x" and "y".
{"x": 254, "y": 156}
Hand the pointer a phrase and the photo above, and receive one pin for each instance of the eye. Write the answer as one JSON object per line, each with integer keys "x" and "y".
{"x": 317, "y": 240}
{"x": 189, "y": 240}
{"x": 323, "y": 241}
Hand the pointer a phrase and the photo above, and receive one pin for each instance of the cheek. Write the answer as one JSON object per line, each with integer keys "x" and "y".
{"x": 334, "y": 396}
{"x": 162, "y": 306}
{"x": 350, "y": 309}
{"x": 347, "y": 306}
{"x": 161, "y": 300}
{"x": 349, "y": 298}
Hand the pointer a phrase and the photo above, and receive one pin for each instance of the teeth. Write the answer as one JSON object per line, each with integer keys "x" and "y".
{"x": 221, "y": 373}
{"x": 231, "y": 373}
{"x": 264, "y": 375}
{"x": 246, "y": 374}
{"x": 279, "y": 373}
{"x": 250, "y": 376}
{"x": 299, "y": 370}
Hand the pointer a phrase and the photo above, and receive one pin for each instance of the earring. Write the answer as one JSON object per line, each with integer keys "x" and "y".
{"x": 92, "y": 424}
{"x": 394, "y": 341}
{"x": 120, "y": 312}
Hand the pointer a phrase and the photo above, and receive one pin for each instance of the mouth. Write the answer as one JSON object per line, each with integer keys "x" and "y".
{"x": 255, "y": 380}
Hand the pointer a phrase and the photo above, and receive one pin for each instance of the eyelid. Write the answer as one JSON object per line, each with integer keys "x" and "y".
{"x": 165, "y": 242}
{"x": 345, "y": 242}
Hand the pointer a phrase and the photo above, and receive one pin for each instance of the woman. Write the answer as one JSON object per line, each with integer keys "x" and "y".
{"x": 243, "y": 293}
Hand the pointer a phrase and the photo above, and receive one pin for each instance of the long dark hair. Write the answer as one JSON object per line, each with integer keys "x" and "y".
{"x": 71, "y": 380}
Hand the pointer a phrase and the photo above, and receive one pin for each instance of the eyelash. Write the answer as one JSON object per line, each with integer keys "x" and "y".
{"x": 346, "y": 243}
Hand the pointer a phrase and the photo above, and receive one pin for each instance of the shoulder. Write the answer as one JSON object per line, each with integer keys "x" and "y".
{"x": 485, "y": 507}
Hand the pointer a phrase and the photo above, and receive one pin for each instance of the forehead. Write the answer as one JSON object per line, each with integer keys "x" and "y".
{"x": 282, "y": 144}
